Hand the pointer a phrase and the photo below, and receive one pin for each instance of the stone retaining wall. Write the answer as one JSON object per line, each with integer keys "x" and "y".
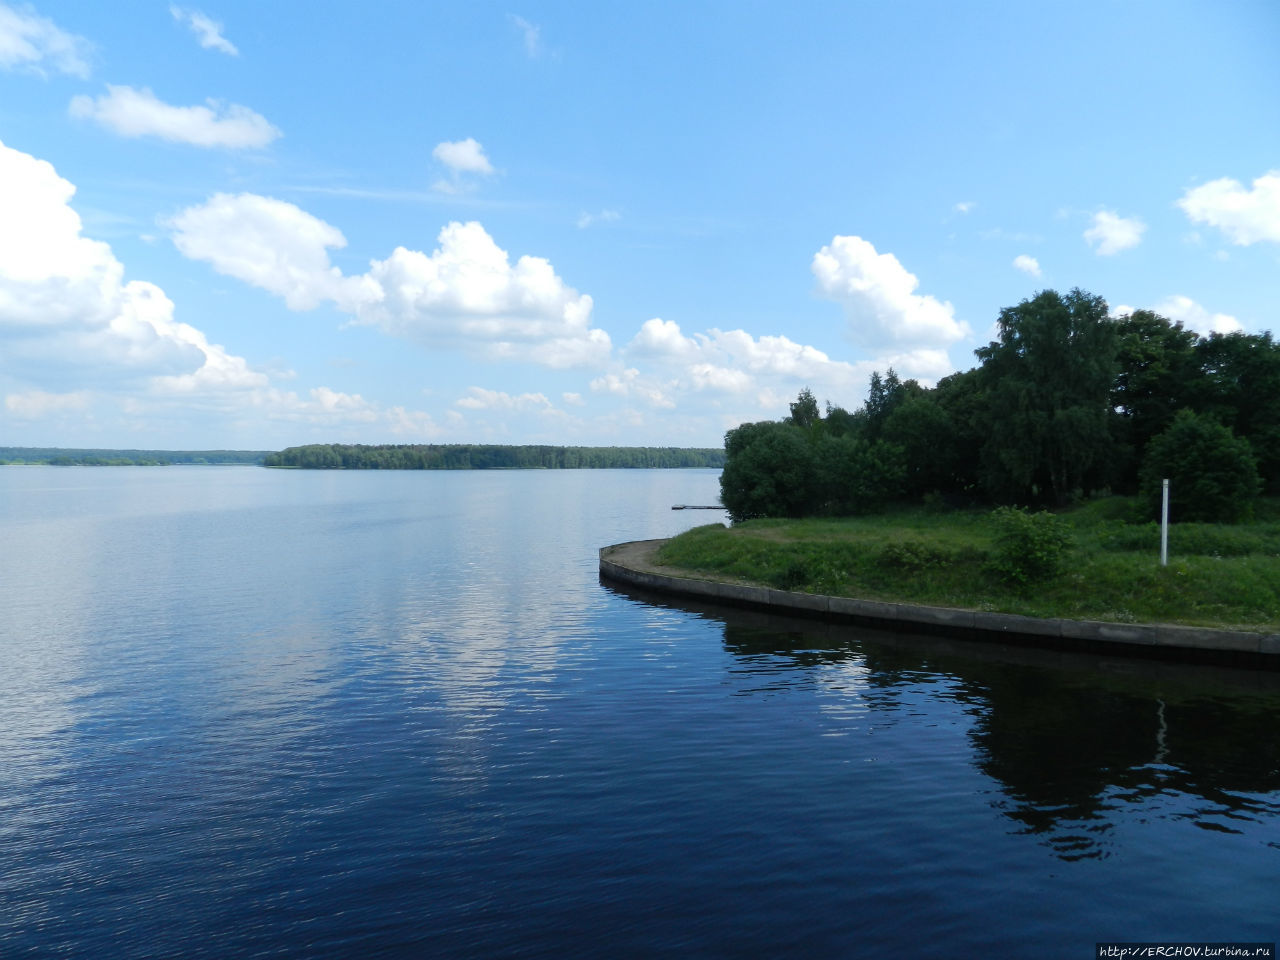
{"x": 632, "y": 563}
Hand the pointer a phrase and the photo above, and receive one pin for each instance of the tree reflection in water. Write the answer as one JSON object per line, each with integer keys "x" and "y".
{"x": 1073, "y": 740}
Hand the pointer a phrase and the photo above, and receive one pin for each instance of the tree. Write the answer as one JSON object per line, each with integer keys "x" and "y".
{"x": 770, "y": 471}
{"x": 1049, "y": 380}
{"x": 1212, "y": 474}
{"x": 804, "y": 411}
{"x": 855, "y": 475}
{"x": 922, "y": 430}
{"x": 1239, "y": 385}
{"x": 1157, "y": 375}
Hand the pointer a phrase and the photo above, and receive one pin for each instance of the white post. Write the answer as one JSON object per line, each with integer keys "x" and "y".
{"x": 1164, "y": 524}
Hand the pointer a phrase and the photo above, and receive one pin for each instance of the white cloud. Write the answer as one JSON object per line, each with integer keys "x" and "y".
{"x": 629, "y": 383}
{"x": 747, "y": 377}
{"x": 1026, "y": 264}
{"x": 478, "y": 398}
{"x": 964, "y": 206}
{"x": 66, "y": 311}
{"x": 138, "y": 113}
{"x": 1195, "y": 317}
{"x": 467, "y": 290}
{"x": 37, "y": 404}
{"x": 1245, "y": 216}
{"x": 879, "y": 299}
{"x": 78, "y": 341}
{"x": 531, "y": 33}
{"x": 28, "y": 41}
{"x": 1112, "y": 233}
{"x": 270, "y": 244}
{"x": 463, "y": 156}
{"x": 208, "y": 32}
{"x": 465, "y": 293}
{"x": 604, "y": 216}
{"x": 572, "y": 399}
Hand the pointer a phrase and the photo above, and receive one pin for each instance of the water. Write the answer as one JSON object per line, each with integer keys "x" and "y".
{"x": 261, "y": 713}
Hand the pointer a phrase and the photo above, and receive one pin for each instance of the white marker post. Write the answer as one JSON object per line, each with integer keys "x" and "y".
{"x": 1164, "y": 523}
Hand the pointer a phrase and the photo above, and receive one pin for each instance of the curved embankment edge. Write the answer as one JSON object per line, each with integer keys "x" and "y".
{"x": 633, "y": 563}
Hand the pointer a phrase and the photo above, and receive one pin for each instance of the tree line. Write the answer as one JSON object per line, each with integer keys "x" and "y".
{"x": 1067, "y": 402}
{"x": 339, "y": 456}
{"x": 68, "y": 457}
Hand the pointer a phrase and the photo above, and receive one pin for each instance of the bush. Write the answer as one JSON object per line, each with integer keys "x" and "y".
{"x": 1213, "y": 474}
{"x": 1029, "y": 547}
{"x": 913, "y": 555}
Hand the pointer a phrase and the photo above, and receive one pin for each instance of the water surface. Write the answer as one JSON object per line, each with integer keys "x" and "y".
{"x": 262, "y": 713}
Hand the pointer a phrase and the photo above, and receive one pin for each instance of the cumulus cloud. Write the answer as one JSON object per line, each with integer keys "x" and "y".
{"x": 462, "y": 158}
{"x": 78, "y": 340}
{"x": 30, "y": 42}
{"x": 1112, "y": 233}
{"x": 139, "y": 113}
{"x": 270, "y": 244}
{"x": 465, "y": 293}
{"x": 1195, "y": 317}
{"x": 208, "y": 31}
{"x": 465, "y": 156}
{"x": 478, "y": 398}
{"x": 65, "y": 308}
{"x": 467, "y": 290}
{"x": 1028, "y": 265}
{"x": 732, "y": 362}
{"x": 746, "y": 377}
{"x": 1246, "y": 216}
{"x": 879, "y": 299}
{"x": 629, "y": 383}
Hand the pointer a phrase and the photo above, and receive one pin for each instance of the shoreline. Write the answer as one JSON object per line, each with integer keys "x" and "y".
{"x": 632, "y": 562}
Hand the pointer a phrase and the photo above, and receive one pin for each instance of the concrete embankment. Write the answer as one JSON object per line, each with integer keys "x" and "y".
{"x": 634, "y": 563}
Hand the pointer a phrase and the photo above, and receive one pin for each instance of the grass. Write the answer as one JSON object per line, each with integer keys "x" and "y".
{"x": 1218, "y": 576}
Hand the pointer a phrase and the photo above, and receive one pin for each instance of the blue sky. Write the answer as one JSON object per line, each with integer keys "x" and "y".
{"x": 252, "y": 225}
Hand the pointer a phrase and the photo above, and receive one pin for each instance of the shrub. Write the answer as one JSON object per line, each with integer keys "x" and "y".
{"x": 1028, "y": 546}
{"x": 1213, "y": 474}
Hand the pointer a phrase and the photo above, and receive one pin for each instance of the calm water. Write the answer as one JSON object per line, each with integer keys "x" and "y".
{"x": 256, "y": 713}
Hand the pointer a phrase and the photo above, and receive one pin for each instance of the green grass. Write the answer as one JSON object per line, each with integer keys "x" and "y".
{"x": 1218, "y": 576}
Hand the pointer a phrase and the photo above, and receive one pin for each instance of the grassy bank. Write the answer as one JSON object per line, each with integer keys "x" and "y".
{"x": 1220, "y": 576}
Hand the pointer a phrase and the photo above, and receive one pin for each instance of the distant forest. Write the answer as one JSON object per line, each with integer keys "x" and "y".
{"x": 65, "y": 457}
{"x": 339, "y": 456}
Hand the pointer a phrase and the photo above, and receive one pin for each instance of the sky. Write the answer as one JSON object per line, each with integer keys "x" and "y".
{"x": 246, "y": 225}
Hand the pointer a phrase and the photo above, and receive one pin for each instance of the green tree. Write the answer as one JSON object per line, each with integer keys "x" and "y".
{"x": 1239, "y": 385}
{"x": 804, "y": 411}
{"x": 924, "y": 433}
{"x": 1157, "y": 377}
{"x": 1212, "y": 474}
{"x": 1049, "y": 380}
{"x": 770, "y": 471}
{"x": 855, "y": 475}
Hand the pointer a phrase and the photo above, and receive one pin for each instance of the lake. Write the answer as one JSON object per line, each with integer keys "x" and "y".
{"x": 269, "y": 713}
